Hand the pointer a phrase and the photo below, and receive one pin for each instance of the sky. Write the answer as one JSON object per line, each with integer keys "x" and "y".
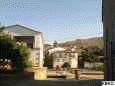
{"x": 60, "y": 20}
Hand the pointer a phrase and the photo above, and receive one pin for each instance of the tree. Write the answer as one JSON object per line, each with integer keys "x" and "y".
{"x": 24, "y": 54}
{"x": 55, "y": 44}
{"x": 89, "y": 56}
{"x": 48, "y": 60}
{"x": 7, "y": 46}
{"x": 18, "y": 54}
{"x": 66, "y": 65}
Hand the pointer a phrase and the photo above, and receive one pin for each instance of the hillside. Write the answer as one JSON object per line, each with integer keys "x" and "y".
{"x": 84, "y": 43}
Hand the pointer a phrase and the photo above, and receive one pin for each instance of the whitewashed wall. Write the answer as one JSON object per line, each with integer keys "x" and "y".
{"x": 74, "y": 61}
{"x": 34, "y": 57}
{"x": 92, "y": 65}
{"x": 60, "y": 62}
{"x": 38, "y": 43}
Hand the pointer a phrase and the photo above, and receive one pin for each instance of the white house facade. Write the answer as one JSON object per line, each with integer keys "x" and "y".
{"x": 62, "y": 56}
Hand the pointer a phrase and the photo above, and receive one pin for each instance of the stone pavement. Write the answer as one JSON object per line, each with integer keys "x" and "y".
{"x": 50, "y": 83}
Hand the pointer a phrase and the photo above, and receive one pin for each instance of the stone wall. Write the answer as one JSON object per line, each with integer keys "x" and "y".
{"x": 35, "y": 56}
{"x": 92, "y": 65}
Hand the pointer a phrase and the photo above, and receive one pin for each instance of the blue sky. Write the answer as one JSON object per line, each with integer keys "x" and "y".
{"x": 59, "y": 20}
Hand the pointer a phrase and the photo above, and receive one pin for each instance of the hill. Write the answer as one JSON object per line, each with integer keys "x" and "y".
{"x": 84, "y": 43}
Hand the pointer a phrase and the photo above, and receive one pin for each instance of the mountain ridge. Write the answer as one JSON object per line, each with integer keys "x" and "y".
{"x": 84, "y": 43}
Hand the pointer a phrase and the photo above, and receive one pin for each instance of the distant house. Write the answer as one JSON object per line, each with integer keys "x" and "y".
{"x": 33, "y": 39}
{"x": 62, "y": 56}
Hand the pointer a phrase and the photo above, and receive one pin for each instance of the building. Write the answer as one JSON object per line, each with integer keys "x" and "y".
{"x": 33, "y": 39}
{"x": 62, "y": 56}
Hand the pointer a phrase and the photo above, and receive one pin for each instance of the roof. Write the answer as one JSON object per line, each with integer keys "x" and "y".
{"x": 56, "y": 49}
{"x": 63, "y": 50}
{"x": 23, "y": 27}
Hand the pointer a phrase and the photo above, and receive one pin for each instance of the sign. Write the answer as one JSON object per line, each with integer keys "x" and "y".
{"x": 108, "y": 83}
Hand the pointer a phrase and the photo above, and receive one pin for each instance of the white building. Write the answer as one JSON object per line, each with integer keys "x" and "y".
{"x": 62, "y": 56}
{"x": 32, "y": 38}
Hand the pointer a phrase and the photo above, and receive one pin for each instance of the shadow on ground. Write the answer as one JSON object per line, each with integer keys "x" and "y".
{"x": 25, "y": 82}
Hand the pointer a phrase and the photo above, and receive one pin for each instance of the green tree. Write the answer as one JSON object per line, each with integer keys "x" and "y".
{"x": 55, "y": 44}
{"x": 89, "y": 56}
{"x": 18, "y": 54}
{"x": 7, "y": 46}
{"x": 24, "y": 53}
{"x": 48, "y": 60}
{"x": 66, "y": 65}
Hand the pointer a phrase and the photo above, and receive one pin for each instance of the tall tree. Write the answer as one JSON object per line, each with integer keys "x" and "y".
{"x": 18, "y": 54}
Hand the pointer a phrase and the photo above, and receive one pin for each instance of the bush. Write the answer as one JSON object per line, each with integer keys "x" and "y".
{"x": 24, "y": 53}
{"x": 66, "y": 65}
{"x": 100, "y": 68}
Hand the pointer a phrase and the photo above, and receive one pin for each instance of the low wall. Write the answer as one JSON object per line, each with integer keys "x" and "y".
{"x": 92, "y": 65}
{"x": 40, "y": 73}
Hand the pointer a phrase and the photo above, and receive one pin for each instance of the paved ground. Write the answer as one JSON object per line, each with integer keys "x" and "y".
{"x": 86, "y": 71}
{"x": 87, "y": 74}
{"x": 84, "y": 75}
{"x": 50, "y": 83}
{"x": 56, "y": 82}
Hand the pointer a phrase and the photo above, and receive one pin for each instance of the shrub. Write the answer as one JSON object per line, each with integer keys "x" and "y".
{"x": 100, "y": 68}
{"x": 66, "y": 65}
